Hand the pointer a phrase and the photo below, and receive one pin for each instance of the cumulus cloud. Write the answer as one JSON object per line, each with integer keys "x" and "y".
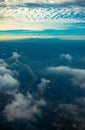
{"x": 7, "y": 79}
{"x": 68, "y": 57}
{"x": 23, "y": 107}
{"x": 78, "y": 75}
{"x": 15, "y": 55}
{"x": 3, "y": 63}
{"x": 43, "y": 84}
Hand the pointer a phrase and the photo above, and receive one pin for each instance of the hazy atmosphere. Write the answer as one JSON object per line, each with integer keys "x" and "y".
{"x": 42, "y": 65}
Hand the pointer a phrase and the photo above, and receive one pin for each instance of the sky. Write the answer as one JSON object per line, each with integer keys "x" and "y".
{"x": 40, "y": 15}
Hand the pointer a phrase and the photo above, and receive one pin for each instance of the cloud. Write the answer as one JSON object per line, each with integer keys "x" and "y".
{"x": 23, "y": 107}
{"x": 15, "y": 55}
{"x": 25, "y": 14}
{"x": 3, "y": 63}
{"x": 7, "y": 2}
{"x": 7, "y": 79}
{"x": 68, "y": 57}
{"x": 78, "y": 75}
{"x": 39, "y": 16}
{"x": 44, "y": 83}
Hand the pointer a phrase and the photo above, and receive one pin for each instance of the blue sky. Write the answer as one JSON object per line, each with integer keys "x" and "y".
{"x": 58, "y": 15}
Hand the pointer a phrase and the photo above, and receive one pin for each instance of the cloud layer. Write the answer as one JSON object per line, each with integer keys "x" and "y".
{"x": 23, "y": 107}
{"x": 40, "y": 1}
{"x": 37, "y": 14}
{"x": 7, "y": 79}
{"x": 78, "y": 75}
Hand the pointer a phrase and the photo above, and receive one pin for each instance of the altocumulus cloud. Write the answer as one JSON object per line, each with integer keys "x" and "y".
{"x": 25, "y": 14}
{"x": 39, "y": 1}
{"x": 78, "y": 75}
{"x": 39, "y": 15}
{"x": 23, "y": 107}
{"x": 7, "y": 79}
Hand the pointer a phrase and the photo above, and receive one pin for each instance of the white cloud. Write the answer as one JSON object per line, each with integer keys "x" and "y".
{"x": 66, "y": 56}
{"x": 24, "y": 17}
{"x": 81, "y": 101}
{"x": 15, "y": 55}
{"x": 25, "y": 14}
{"x": 7, "y": 80}
{"x": 43, "y": 84}
{"x": 78, "y": 75}
{"x": 4, "y": 70}
{"x": 23, "y": 107}
{"x": 7, "y": 2}
{"x": 3, "y": 63}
